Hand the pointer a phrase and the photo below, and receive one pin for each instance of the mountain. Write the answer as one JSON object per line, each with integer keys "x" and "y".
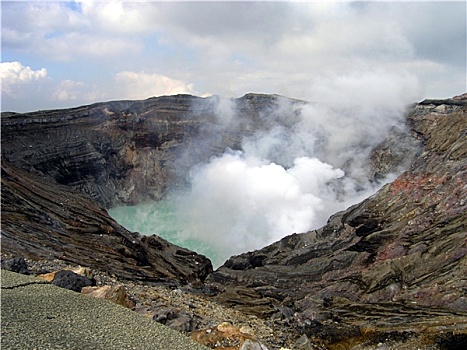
{"x": 62, "y": 168}
{"x": 396, "y": 262}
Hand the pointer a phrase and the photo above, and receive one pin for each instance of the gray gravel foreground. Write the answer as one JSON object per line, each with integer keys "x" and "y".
{"x": 38, "y": 315}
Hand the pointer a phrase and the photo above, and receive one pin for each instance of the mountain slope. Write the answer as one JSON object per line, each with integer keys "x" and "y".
{"x": 396, "y": 260}
{"x": 45, "y": 220}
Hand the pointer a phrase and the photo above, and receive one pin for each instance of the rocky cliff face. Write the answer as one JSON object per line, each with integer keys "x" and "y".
{"x": 44, "y": 220}
{"x": 394, "y": 262}
{"x": 397, "y": 259}
{"x": 126, "y": 152}
{"x": 114, "y": 152}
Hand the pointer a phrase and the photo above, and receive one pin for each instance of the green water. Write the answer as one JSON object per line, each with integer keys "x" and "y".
{"x": 161, "y": 218}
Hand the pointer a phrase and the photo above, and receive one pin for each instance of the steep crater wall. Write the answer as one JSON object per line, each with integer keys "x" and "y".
{"x": 116, "y": 152}
{"x": 397, "y": 260}
{"x": 125, "y": 152}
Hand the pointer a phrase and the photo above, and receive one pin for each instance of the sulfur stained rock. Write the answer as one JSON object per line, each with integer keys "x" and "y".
{"x": 47, "y": 276}
{"x": 116, "y": 294}
{"x": 226, "y": 336}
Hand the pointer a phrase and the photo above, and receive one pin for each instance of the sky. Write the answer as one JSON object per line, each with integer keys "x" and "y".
{"x": 63, "y": 54}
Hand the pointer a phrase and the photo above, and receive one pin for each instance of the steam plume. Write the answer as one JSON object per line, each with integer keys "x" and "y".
{"x": 309, "y": 161}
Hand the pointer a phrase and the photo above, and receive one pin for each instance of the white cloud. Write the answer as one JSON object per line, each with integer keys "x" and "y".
{"x": 140, "y": 85}
{"x": 285, "y": 46}
{"x": 55, "y": 31}
{"x": 69, "y": 90}
{"x": 14, "y": 75}
{"x": 69, "y": 46}
{"x": 231, "y": 48}
{"x": 120, "y": 17}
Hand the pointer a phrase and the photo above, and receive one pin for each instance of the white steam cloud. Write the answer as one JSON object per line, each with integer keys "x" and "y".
{"x": 238, "y": 203}
{"x": 290, "y": 176}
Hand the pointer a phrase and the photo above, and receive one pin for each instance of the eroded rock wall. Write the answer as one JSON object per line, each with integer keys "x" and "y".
{"x": 397, "y": 257}
{"x": 127, "y": 152}
{"x": 45, "y": 220}
{"x": 116, "y": 152}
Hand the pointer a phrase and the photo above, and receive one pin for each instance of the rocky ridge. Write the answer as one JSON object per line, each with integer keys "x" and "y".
{"x": 390, "y": 269}
{"x": 127, "y": 152}
{"x": 396, "y": 261}
{"x": 45, "y": 220}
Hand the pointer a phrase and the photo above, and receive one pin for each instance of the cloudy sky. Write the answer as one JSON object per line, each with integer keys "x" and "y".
{"x": 61, "y": 54}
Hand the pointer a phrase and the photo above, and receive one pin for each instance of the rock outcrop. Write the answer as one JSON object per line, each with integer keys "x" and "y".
{"x": 128, "y": 152}
{"x": 116, "y": 294}
{"x": 45, "y": 220}
{"x": 397, "y": 260}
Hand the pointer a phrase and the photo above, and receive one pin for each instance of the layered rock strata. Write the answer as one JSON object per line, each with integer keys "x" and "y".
{"x": 128, "y": 152}
{"x": 394, "y": 264}
{"x": 45, "y": 220}
{"x": 397, "y": 260}
{"x": 113, "y": 152}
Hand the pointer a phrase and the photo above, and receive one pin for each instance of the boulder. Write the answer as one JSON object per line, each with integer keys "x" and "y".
{"x": 16, "y": 264}
{"x": 116, "y": 294}
{"x": 70, "y": 280}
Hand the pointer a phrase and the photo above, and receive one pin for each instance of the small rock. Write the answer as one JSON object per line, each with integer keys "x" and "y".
{"x": 249, "y": 344}
{"x": 84, "y": 271}
{"x": 164, "y": 314}
{"x": 303, "y": 343}
{"x": 116, "y": 294}
{"x": 184, "y": 322}
{"x": 70, "y": 280}
{"x": 17, "y": 265}
{"x": 47, "y": 276}
{"x": 247, "y": 330}
{"x": 441, "y": 109}
{"x": 175, "y": 318}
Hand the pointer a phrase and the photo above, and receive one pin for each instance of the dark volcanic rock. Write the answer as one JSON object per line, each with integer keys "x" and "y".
{"x": 390, "y": 266}
{"x": 45, "y": 220}
{"x": 111, "y": 151}
{"x": 72, "y": 281}
{"x": 18, "y": 265}
{"x": 397, "y": 259}
{"x": 127, "y": 152}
